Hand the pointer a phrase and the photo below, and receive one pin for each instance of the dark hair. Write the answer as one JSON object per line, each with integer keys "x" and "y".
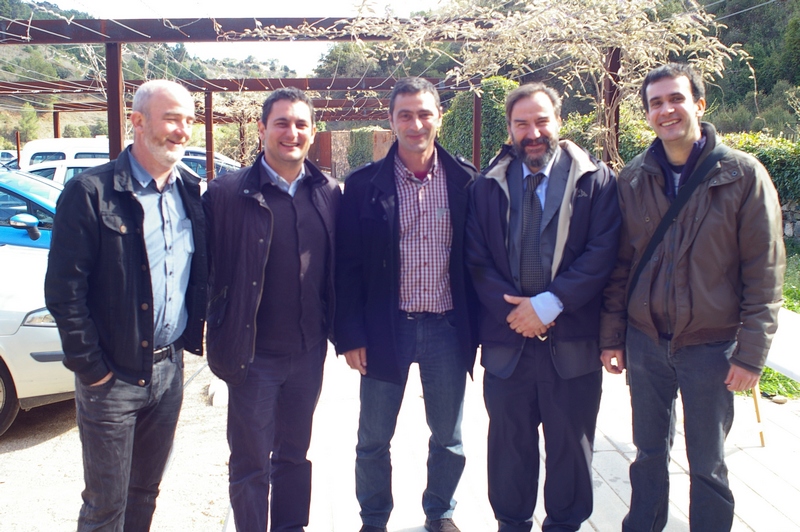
{"x": 293, "y": 94}
{"x": 412, "y": 86}
{"x": 528, "y": 90}
{"x": 672, "y": 71}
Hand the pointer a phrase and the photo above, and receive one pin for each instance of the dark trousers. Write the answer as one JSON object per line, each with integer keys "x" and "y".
{"x": 269, "y": 431}
{"x": 126, "y": 432}
{"x": 534, "y": 394}
{"x": 656, "y": 374}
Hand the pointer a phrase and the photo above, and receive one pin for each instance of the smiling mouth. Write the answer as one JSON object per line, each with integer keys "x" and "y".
{"x": 669, "y": 123}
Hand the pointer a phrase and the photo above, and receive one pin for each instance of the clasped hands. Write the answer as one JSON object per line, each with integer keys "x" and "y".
{"x": 524, "y": 320}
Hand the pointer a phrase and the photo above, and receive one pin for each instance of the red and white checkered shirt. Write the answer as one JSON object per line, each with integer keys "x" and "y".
{"x": 426, "y": 235}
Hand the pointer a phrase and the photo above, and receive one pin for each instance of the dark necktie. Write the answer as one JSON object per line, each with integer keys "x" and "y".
{"x": 532, "y": 277}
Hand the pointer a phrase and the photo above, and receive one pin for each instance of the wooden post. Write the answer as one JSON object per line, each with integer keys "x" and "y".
{"x": 56, "y": 125}
{"x": 610, "y": 95}
{"x": 209, "y": 135}
{"x": 476, "y": 130}
{"x": 115, "y": 94}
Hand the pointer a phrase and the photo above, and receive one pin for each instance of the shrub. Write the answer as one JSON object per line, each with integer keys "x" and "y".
{"x": 456, "y": 133}
{"x": 359, "y": 152}
{"x": 780, "y": 156}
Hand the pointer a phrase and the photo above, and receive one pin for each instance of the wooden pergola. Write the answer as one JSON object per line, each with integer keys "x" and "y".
{"x": 113, "y": 34}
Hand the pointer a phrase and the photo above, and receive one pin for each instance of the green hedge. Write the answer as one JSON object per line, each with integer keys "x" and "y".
{"x": 359, "y": 152}
{"x": 780, "y": 156}
{"x": 456, "y": 131}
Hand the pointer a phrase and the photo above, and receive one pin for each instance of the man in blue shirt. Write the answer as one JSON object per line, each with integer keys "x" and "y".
{"x": 126, "y": 285}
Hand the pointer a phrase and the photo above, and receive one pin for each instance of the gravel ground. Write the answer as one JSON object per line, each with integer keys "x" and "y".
{"x": 41, "y": 476}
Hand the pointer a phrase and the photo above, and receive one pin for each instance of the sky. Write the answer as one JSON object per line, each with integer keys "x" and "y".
{"x": 301, "y": 56}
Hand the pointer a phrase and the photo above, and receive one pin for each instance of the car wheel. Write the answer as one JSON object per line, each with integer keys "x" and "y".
{"x": 9, "y": 405}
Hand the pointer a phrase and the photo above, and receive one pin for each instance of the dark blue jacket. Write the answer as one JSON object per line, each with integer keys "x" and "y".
{"x": 579, "y": 244}
{"x": 98, "y": 280}
{"x": 368, "y": 264}
{"x": 239, "y": 236}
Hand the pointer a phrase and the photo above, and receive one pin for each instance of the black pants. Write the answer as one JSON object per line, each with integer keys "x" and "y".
{"x": 534, "y": 394}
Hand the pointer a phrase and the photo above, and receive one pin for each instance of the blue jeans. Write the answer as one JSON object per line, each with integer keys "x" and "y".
{"x": 269, "y": 431}
{"x": 432, "y": 342}
{"x": 655, "y": 374}
{"x": 126, "y": 431}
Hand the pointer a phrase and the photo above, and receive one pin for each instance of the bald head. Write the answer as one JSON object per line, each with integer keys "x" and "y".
{"x": 151, "y": 89}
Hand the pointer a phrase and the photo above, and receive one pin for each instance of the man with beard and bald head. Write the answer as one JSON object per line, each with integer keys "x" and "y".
{"x": 542, "y": 236}
{"x": 126, "y": 284}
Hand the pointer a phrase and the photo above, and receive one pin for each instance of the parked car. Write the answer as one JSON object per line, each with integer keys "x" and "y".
{"x": 63, "y": 171}
{"x": 31, "y": 370}
{"x": 11, "y": 164}
{"x": 7, "y": 156}
{"x": 61, "y": 149}
{"x": 27, "y": 207}
{"x": 198, "y": 165}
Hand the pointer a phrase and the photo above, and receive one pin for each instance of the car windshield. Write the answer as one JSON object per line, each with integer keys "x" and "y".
{"x": 42, "y": 191}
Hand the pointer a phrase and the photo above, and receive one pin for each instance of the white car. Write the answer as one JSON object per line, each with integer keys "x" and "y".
{"x": 31, "y": 370}
{"x": 63, "y": 171}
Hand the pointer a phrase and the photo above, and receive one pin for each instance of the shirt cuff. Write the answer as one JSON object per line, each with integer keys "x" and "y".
{"x": 547, "y": 306}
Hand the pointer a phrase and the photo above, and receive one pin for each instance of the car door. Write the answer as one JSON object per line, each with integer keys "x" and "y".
{"x": 12, "y": 204}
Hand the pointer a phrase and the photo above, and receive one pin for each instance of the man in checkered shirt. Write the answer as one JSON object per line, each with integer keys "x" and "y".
{"x": 403, "y": 296}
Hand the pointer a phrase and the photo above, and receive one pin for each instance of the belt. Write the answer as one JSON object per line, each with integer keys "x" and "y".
{"x": 422, "y": 315}
{"x": 164, "y": 352}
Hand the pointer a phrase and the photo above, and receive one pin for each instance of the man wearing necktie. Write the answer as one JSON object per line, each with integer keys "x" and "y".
{"x": 542, "y": 236}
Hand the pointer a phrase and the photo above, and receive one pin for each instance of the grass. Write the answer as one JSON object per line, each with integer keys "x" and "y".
{"x": 772, "y": 382}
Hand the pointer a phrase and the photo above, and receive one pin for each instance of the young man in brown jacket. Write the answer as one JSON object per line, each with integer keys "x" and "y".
{"x": 703, "y": 312}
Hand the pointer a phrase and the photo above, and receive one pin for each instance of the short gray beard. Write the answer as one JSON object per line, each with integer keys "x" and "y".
{"x": 537, "y": 162}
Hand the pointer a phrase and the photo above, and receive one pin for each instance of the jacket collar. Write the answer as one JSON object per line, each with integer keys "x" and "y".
{"x": 251, "y": 184}
{"x": 384, "y": 179}
{"x": 498, "y": 167}
{"x": 123, "y": 175}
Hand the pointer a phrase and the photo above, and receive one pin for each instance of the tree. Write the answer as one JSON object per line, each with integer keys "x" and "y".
{"x": 569, "y": 40}
{"x": 28, "y": 123}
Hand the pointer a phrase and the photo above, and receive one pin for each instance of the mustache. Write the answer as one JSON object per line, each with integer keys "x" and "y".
{"x": 533, "y": 142}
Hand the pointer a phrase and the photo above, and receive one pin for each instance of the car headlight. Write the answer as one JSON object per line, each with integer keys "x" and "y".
{"x": 39, "y": 318}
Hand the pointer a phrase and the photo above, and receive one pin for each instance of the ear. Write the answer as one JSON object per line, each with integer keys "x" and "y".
{"x": 701, "y": 107}
{"x": 262, "y": 129}
{"x": 313, "y": 134}
{"x": 137, "y": 120}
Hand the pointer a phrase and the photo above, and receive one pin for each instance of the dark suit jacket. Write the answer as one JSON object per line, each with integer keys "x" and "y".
{"x": 368, "y": 264}
{"x": 579, "y": 239}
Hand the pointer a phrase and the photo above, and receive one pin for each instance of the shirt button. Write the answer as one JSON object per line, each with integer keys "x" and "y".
{"x": 142, "y": 382}
{"x": 145, "y": 306}
{"x": 145, "y": 343}
{"x": 260, "y": 240}
{"x": 255, "y": 283}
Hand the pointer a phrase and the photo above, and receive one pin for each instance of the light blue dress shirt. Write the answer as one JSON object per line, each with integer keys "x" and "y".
{"x": 280, "y": 182}
{"x": 169, "y": 244}
{"x": 546, "y": 304}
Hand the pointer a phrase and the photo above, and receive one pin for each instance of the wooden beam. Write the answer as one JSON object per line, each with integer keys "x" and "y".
{"x": 101, "y": 31}
{"x": 56, "y": 125}
{"x": 476, "y": 130}
{"x": 209, "y": 123}
{"x": 116, "y": 100}
{"x": 221, "y": 85}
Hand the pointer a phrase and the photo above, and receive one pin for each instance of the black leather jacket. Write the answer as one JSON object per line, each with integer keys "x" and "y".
{"x": 97, "y": 285}
{"x": 239, "y": 236}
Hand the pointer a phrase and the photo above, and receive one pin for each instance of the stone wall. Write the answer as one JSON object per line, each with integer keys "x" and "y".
{"x": 791, "y": 219}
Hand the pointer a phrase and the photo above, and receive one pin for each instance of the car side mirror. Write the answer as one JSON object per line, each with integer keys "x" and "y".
{"x": 27, "y": 222}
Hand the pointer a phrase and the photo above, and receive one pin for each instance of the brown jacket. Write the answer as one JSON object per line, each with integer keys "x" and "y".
{"x": 718, "y": 272}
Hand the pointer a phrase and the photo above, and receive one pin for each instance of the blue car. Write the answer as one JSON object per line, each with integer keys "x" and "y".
{"x": 27, "y": 206}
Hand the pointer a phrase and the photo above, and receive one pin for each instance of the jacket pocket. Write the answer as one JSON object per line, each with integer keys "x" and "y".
{"x": 217, "y": 307}
{"x": 118, "y": 224}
